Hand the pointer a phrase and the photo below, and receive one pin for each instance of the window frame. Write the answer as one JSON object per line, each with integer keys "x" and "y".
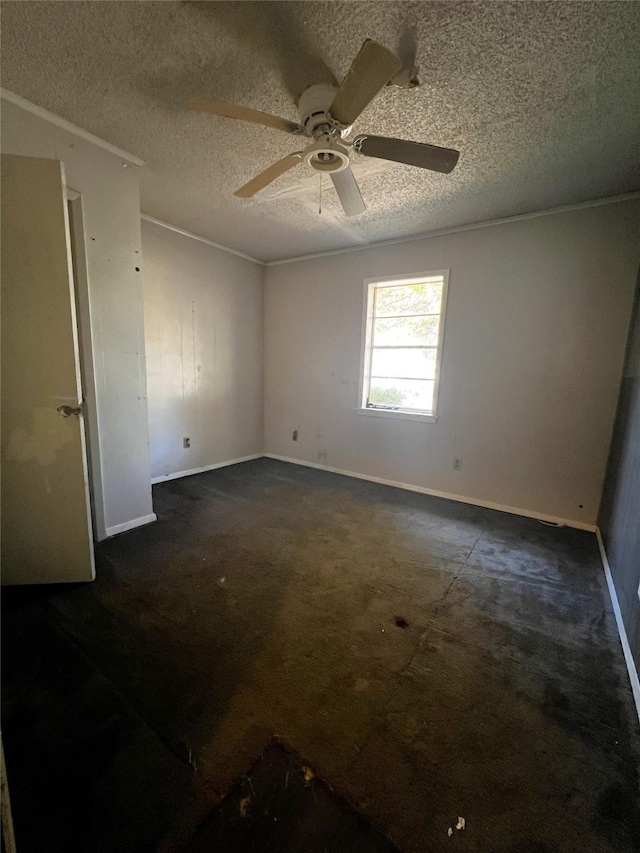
{"x": 366, "y": 349}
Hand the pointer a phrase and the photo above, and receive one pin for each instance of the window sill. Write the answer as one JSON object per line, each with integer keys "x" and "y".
{"x": 397, "y": 415}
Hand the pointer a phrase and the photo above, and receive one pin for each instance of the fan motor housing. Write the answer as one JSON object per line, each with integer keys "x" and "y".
{"x": 313, "y": 107}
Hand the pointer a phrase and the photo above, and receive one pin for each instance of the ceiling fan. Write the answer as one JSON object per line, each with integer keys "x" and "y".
{"x": 326, "y": 116}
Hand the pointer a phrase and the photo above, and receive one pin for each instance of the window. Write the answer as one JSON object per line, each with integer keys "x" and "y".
{"x": 402, "y": 346}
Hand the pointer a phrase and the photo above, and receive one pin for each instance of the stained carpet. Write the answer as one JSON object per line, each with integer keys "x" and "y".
{"x": 432, "y": 660}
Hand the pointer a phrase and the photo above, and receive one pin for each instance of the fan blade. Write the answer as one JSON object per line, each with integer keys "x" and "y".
{"x": 264, "y": 178}
{"x": 413, "y": 153}
{"x": 348, "y": 191}
{"x": 222, "y": 108}
{"x": 370, "y": 72}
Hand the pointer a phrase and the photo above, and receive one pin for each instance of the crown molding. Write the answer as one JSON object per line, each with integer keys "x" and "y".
{"x": 458, "y": 228}
{"x": 62, "y": 123}
{"x": 199, "y": 238}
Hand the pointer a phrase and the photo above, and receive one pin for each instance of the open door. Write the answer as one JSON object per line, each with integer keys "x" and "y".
{"x": 46, "y": 520}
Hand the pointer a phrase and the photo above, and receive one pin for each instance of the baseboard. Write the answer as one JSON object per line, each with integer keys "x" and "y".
{"x": 579, "y": 525}
{"x": 129, "y": 525}
{"x": 626, "y": 648}
{"x": 215, "y": 465}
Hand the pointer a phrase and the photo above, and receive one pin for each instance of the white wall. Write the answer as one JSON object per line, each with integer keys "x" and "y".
{"x": 537, "y": 317}
{"x": 204, "y": 341}
{"x": 111, "y": 209}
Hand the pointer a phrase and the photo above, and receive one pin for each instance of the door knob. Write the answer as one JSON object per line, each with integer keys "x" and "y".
{"x": 67, "y": 411}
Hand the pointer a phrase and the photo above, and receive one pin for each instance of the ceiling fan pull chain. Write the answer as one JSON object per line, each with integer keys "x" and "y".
{"x": 320, "y": 197}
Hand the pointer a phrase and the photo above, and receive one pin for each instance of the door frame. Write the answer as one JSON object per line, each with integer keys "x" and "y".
{"x": 78, "y": 243}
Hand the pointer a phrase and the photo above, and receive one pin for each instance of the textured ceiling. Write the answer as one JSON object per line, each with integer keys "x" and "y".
{"x": 542, "y": 99}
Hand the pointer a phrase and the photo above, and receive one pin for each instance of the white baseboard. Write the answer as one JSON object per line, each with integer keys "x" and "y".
{"x": 129, "y": 525}
{"x": 579, "y": 525}
{"x": 175, "y": 476}
{"x": 626, "y": 648}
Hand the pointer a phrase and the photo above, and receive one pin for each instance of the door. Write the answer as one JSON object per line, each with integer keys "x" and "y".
{"x": 46, "y": 522}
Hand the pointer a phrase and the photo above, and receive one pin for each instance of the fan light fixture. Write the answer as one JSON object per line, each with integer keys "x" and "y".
{"x": 326, "y": 155}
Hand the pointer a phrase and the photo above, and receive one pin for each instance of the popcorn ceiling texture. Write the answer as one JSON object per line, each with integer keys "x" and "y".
{"x": 541, "y": 98}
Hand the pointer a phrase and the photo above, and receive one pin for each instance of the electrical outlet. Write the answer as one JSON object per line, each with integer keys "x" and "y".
{"x": 294, "y": 437}
{"x": 457, "y": 463}
{"x": 186, "y": 442}
{"x": 322, "y": 456}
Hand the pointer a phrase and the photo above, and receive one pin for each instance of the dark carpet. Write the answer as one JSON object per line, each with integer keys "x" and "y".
{"x": 281, "y": 806}
{"x": 432, "y": 660}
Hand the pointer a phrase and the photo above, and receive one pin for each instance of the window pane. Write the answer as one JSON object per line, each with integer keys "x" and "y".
{"x": 408, "y": 363}
{"x": 423, "y": 298}
{"x": 404, "y": 393}
{"x": 407, "y": 331}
